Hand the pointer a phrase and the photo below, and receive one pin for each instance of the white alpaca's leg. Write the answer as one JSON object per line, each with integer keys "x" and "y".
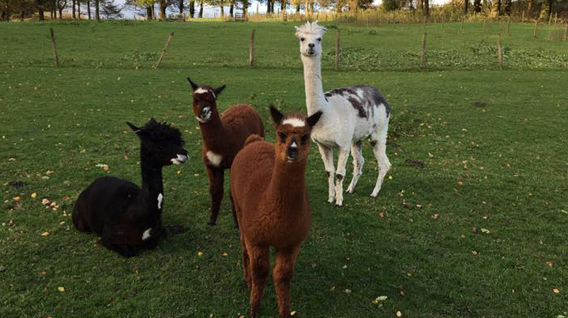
{"x": 340, "y": 173}
{"x": 379, "y": 143}
{"x": 358, "y": 161}
{"x": 327, "y": 157}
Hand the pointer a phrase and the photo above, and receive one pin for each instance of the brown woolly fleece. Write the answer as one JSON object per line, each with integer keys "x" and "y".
{"x": 271, "y": 203}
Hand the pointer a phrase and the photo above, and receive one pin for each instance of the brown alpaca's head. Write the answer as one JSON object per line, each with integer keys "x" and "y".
{"x": 293, "y": 135}
{"x": 205, "y": 101}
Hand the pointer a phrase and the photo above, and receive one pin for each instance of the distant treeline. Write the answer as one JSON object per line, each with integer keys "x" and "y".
{"x": 184, "y": 9}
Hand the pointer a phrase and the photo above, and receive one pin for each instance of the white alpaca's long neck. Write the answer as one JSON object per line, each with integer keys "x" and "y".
{"x": 315, "y": 98}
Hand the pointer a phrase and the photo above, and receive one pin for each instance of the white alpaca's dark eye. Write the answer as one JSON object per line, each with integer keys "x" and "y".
{"x": 302, "y": 39}
{"x": 319, "y": 39}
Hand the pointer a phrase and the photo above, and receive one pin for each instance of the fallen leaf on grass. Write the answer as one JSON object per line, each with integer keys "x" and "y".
{"x": 45, "y": 201}
{"x": 435, "y": 216}
{"x": 61, "y": 289}
{"x": 398, "y": 314}
{"x": 348, "y": 291}
{"x": 33, "y": 195}
{"x": 293, "y": 313}
{"x": 378, "y": 299}
{"x": 486, "y": 231}
{"x": 556, "y": 291}
{"x": 45, "y": 234}
{"x": 474, "y": 252}
{"x": 549, "y": 263}
{"x": 199, "y": 253}
{"x": 17, "y": 198}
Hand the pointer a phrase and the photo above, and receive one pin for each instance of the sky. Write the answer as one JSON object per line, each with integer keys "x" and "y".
{"x": 130, "y": 12}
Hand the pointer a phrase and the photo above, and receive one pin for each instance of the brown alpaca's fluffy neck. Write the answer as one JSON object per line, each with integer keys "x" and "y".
{"x": 287, "y": 188}
{"x": 213, "y": 133}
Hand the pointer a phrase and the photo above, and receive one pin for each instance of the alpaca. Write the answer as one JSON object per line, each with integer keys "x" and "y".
{"x": 124, "y": 215}
{"x": 223, "y": 136}
{"x": 349, "y": 116}
{"x": 271, "y": 203}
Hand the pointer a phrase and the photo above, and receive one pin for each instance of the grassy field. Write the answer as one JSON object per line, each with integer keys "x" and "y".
{"x": 478, "y": 231}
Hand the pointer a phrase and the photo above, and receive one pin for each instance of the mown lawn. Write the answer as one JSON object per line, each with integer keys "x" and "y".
{"x": 478, "y": 231}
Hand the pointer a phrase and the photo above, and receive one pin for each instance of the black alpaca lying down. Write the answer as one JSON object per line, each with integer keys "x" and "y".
{"x": 126, "y": 216}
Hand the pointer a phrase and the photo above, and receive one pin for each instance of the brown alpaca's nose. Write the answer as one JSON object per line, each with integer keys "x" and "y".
{"x": 292, "y": 150}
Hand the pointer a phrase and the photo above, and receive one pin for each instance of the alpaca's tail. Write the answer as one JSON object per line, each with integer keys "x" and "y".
{"x": 253, "y": 138}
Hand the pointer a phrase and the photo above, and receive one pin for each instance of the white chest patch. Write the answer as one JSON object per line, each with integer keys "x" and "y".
{"x": 160, "y": 199}
{"x": 146, "y": 235}
{"x": 295, "y": 122}
{"x": 214, "y": 158}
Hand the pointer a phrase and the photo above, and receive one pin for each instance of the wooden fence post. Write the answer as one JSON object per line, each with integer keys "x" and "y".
{"x": 509, "y": 26}
{"x": 523, "y": 17}
{"x": 566, "y": 32}
{"x": 423, "y": 52}
{"x": 251, "y": 49}
{"x": 535, "y": 34}
{"x": 54, "y": 48}
{"x": 484, "y": 25}
{"x": 337, "y": 50}
{"x": 500, "y": 52}
{"x": 461, "y": 28}
{"x": 164, "y": 50}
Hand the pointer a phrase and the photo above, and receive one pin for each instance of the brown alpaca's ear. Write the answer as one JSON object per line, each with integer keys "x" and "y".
{"x": 313, "y": 119}
{"x": 194, "y": 86}
{"x": 218, "y": 90}
{"x": 276, "y": 115}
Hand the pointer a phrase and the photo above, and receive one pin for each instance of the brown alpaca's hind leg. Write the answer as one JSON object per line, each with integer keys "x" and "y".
{"x": 282, "y": 276}
{"x": 246, "y": 264}
{"x": 260, "y": 267}
{"x": 234, "y": 211}
{"x": 216, "y": 178}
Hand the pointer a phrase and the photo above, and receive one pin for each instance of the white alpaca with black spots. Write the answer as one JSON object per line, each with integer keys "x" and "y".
{"x": 349, "y": 116}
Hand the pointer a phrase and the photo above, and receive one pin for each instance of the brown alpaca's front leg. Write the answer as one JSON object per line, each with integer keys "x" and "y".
{"x": 282, "y": 276}
{"x": 260, "y": 266}
{"x": 234, "y": 211}
{"x": 216, "y": 178}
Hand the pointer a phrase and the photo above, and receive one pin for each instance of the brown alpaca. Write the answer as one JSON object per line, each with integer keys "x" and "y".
{"x": 271, "y": 203}
{"x": 223, "y": 136}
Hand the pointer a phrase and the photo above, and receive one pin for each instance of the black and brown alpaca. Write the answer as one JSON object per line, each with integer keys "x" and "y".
{"x": 271, "y": 203}
{"x": 126, "y": 216}
{"x": 223, "y": 135}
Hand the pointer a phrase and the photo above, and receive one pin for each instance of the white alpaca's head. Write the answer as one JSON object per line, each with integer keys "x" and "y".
{"x": 310, "y": 36}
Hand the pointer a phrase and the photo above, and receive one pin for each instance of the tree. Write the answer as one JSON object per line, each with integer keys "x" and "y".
{"x": 426, "y": 8}
{"x": 192, "y": 9}
{"x": 466, "y": 6}
{"x": 477, "y": 6}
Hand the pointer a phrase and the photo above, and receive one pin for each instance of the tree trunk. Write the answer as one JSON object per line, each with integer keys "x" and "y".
{"x": 79, "y": 10}
{"x": 550, "y": 2}
{"x": 61, "y": 12}
{"x": 283, "y": 5}
{"x": 22, "y": 15}
{"x": 97, "y": 11}
{"x": 201, "y": 4}
{"x": 466, "y": 6}
{"x": 153, "y": 11}
{"x": 163, "y": 6}
{"x": 307, "y": 8}
{"x": 192, "y": 9}
{"x": 41, "y": 14}
{"x": 148, "y": 13}
{"x": 231, "y": 10}
{"x": 297, "y": 8}
{"x": 180, "y": 7}
{"x": 477, "y": 6}
{"x": 245, "y": 7}
{"x": 73, "y": 9}
{"x": 426, "y": 8}
{"x": 222, "y": 10}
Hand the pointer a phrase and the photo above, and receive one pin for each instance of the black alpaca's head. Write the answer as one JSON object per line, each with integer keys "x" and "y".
{"x": 161, "y": 144}
{"x": 204, "y": 101}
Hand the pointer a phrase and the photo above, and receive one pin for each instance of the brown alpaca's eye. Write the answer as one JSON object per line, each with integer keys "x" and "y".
{"x": 282, "y": 136}
{"x": 304, "y": 139}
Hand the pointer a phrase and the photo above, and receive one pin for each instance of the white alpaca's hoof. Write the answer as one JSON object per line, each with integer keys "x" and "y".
{"x": 330, "y": 200}
{"x": 350, "y": 190}
{"x": 375, "y": 193}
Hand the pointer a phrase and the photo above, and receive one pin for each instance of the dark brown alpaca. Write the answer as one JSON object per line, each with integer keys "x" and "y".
{"x": 271, "y": 203}
{"x": 223, "y": 136}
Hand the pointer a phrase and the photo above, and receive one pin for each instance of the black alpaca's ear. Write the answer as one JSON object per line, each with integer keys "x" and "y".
{"x": 139, "y": 131}
{"x": 134, "y": 128}
{"x": 313, "y": 119}
{"x": 194, "y": 86}
{"x": 276, "y": 115}
{"x": 218, "y": 90}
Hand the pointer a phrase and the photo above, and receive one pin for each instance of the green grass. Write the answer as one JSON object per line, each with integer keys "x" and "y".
{"x": 502, "y": 167}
